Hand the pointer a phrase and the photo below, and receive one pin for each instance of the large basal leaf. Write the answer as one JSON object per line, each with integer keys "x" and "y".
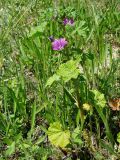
{"x": 68, "y": 70}
{"x": 57, "y": 136}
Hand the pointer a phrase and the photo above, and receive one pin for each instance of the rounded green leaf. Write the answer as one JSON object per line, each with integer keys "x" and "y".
{"x": 99, "y": 98}
{"x": 57, "y": 136}
{"x": 68, "y": 70}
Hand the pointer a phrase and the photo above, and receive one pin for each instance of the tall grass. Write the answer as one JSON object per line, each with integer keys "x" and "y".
{"x": 38, "y": 100}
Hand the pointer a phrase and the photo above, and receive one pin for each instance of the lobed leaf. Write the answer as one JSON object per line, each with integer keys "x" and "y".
{"x": 68, "y": 70}
{"x": 57, "y": 136}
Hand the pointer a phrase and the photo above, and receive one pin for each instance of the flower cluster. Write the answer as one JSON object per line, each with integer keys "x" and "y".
{"x": 67, "y": 21}
{"x": 59, "y": 44}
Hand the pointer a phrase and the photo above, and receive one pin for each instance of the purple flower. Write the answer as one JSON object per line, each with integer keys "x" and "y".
{"x": 59, "y": 44}
{"x": 68, "y": 21}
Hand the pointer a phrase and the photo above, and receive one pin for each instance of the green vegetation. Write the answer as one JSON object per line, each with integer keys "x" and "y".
{"x": 59, "y": 104}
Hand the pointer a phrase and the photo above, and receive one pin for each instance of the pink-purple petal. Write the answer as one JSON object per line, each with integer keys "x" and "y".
{"x": 67, "y": 21}
{"x": 59, "y": 44}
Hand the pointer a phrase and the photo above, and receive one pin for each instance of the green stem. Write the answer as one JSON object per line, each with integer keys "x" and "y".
{"x": 79, "y": 104}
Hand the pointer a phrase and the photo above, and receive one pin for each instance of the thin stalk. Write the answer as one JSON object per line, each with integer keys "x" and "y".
{"x": 79, "y": 103}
